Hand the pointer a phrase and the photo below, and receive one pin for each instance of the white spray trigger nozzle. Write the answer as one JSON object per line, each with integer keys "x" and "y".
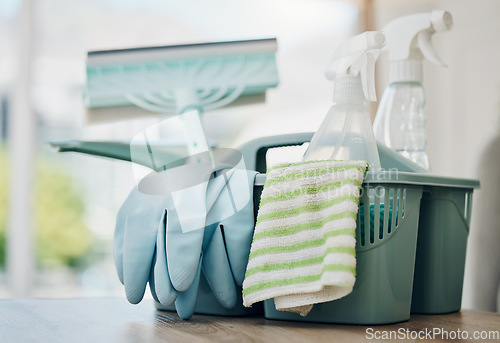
{"x": 414, "y": 32}
{"x": 357, "y": 56}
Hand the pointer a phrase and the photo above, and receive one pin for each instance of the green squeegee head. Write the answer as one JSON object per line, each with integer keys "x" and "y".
{"x": 174, "y": 79}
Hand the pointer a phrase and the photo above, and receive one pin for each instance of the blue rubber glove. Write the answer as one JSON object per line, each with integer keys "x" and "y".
{"x": 230, "y": 201}
{"x": 147, "y": 224}
{"x": 141, "y": 255}
{"x": 140, "y": 249}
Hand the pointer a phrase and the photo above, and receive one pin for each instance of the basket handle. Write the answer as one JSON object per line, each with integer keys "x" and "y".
{"x": 254, "y": 151}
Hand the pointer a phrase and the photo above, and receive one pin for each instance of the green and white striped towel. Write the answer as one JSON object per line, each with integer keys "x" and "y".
{"x": 303, "y": 249}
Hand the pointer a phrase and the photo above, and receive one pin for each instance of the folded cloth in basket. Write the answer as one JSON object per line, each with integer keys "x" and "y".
{"x": 303, "y": 249}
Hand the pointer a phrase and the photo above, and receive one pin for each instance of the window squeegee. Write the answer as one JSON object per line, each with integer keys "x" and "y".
{"x": 182, "y": 79}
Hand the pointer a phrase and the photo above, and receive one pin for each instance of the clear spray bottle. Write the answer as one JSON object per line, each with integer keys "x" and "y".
{"x": 400, "y": 120}
{"x": 347, "y": 133}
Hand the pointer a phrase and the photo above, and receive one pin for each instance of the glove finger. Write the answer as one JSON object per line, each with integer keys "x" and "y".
{"x": 217, "y": 271}
{"x": 152, "y": 281}
{"x": 238, "y": 236}
{"x": 183, "y": 253}
{"x": 186, "y": 301}
{"x": 118, "y": 247}
{"x": 164, "y": 290}
{"x": 138, "y": 245}
{"x": 238, "y": 232}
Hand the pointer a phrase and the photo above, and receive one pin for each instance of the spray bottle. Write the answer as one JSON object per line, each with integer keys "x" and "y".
{"x": 400, "y": 120}
{"x": 346, "y": 133}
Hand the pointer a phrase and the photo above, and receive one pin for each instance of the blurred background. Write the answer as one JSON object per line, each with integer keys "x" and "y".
{"x": 57, "y": 211}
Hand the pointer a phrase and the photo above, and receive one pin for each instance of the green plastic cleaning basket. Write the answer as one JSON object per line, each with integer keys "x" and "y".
{"x": 443, "y": 228}
{"x": 385, "y": 252}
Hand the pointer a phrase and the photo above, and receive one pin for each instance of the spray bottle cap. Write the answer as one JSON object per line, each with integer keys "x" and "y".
{"x": 409, "y": 41}
{"x": 353, "y": 66}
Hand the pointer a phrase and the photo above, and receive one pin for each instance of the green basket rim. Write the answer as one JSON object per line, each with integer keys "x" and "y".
{"x": 405, "y": 178}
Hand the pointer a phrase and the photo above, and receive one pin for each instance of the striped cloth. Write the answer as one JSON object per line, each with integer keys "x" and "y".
{"x": 303, "y": 249}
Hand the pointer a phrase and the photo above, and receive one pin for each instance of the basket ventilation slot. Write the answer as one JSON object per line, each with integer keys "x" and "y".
{"x": 382, "y": 211}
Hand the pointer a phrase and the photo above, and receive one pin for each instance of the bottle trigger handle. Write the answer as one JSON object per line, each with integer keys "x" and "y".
{"x": 368, "y": 76}
{"x": 425, "y": 46}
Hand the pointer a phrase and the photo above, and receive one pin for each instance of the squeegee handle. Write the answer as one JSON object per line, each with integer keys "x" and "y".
{"x": 121, "y": 151}
{"x": 196, "y": 139}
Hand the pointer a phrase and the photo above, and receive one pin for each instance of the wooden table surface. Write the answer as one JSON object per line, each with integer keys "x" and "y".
{"x": 96, "y": 320}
